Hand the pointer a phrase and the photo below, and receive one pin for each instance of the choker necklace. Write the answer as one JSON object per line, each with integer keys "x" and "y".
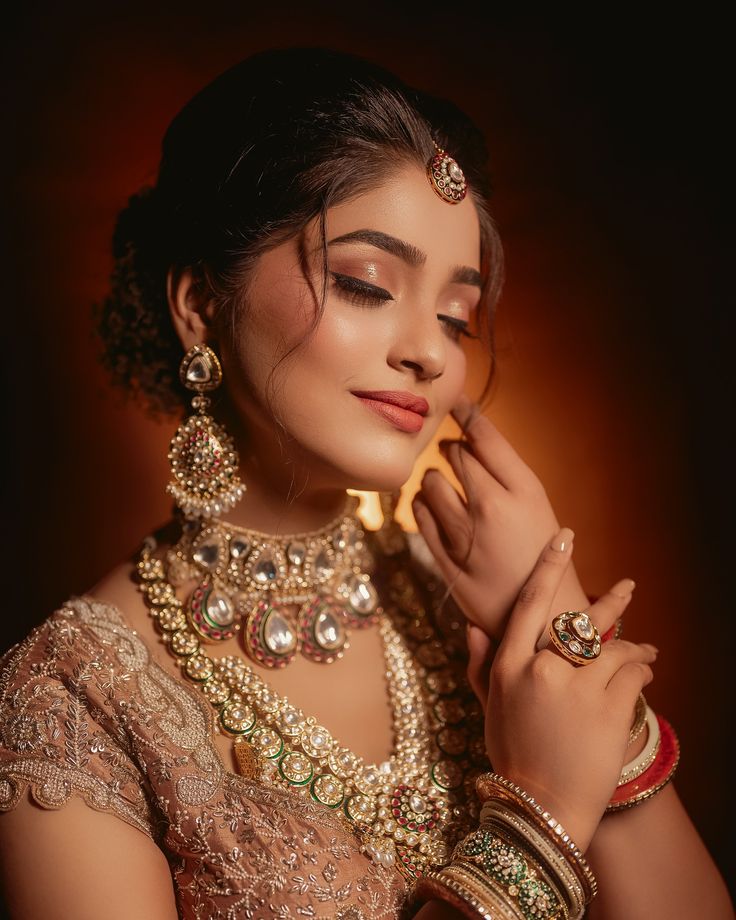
{"x": 250, "y": 580}
{"x": 408, "y": 811}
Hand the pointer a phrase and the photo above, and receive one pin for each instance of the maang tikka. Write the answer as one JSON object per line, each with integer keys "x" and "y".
{"x": 446, "y": 177}
{"x": 204, "y": 462}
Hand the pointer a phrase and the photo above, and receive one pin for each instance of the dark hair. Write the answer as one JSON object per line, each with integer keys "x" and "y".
{"x": 254, "y": 157}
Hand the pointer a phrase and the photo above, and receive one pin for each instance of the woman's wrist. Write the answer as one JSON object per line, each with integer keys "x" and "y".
{"x": 577, "y": 823}
{"x": 519, "y": 863}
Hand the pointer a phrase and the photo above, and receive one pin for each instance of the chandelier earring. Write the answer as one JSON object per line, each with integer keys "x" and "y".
{"x": 204, "y": 462}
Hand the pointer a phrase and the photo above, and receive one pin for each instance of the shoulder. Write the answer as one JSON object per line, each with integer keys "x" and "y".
{"x": 115, "y": 597}
{"x": 54, "y": 649}
{"x": 119, "y": 589}
{"x": 60, "y": 734}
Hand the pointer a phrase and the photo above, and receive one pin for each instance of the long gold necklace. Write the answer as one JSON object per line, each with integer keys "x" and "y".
{"x": 410, "y": 810}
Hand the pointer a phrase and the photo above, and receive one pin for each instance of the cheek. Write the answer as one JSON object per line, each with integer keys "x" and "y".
{"x": 344, "y": 345}
{"x": 452, "y": 382}
{"x": 276, "y": 325}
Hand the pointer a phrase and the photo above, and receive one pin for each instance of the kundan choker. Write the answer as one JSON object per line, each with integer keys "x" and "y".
{"x": 251, "y": 581}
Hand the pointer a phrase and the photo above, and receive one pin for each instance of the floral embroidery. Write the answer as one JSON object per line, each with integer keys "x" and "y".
{"x": 85, "y": 711}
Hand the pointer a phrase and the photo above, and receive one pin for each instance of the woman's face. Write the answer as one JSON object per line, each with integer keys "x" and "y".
{"x": 360, "y": 396}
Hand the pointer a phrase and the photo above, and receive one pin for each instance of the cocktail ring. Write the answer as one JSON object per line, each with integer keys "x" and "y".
{"x": 575, "y": 637}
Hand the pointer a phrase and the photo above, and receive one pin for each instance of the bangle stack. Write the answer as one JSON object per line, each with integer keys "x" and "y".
{"x": 519, "y": 864}
{"x": 650, "y": 772}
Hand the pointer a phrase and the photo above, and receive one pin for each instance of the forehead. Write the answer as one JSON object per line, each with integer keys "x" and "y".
{"x": 406, "y": 206}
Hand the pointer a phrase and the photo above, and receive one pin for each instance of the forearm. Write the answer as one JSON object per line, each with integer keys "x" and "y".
{"x": 438, "y": 910}
{"x": 652, "y": 865}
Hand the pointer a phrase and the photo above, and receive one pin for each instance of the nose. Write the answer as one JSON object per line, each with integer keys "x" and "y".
{"x": 419, "y": 346}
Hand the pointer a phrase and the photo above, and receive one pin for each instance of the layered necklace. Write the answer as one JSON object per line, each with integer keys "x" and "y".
{"x": 410, "y": 810}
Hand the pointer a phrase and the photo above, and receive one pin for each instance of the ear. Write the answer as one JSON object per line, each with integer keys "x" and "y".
{"x": 192, "y": 311}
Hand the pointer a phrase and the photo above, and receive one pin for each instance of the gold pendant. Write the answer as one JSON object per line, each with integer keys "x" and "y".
{"x": 248, "y": 761}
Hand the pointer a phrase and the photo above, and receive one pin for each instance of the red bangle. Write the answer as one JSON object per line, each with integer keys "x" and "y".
{"x": 655, "y": 777}
{"x": 614, "y": 632}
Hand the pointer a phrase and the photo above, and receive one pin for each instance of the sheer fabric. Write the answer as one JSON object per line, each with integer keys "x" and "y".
{"x": 85, "y": 711}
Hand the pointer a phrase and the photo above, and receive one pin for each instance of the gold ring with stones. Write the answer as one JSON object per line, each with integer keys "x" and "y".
{"x": 575, "y": 637}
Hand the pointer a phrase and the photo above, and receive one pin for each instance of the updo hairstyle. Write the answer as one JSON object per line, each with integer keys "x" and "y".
{"x": 255, "y": 156}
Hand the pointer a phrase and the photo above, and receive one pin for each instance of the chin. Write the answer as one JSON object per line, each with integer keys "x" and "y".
{"x": 368, "y": 462}
{"x": 379, "y": 474}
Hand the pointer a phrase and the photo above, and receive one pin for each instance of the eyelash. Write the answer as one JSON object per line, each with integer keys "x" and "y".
{"x": 368, "y": 295}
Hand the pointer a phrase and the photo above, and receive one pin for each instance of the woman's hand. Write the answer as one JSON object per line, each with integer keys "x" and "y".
{"x": 558, "y": 730}
{"x": 487, "y": 543}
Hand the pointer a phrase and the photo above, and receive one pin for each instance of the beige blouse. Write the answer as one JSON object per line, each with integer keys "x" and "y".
{"x": 86, "y": 711}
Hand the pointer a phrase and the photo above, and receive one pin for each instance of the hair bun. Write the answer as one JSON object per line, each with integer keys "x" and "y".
{"x": 138, "y": 224}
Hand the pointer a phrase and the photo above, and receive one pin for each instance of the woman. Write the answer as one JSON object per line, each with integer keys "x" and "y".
{"x": 212, "y": 715}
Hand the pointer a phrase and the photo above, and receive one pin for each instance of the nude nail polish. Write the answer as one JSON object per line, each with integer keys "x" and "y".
{"x": 563, "y": 540}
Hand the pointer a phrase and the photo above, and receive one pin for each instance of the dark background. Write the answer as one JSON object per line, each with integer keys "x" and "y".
{"x": 608, "y": 145}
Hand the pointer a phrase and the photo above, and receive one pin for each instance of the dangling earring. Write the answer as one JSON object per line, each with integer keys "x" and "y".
{"x": 204, "y": 462}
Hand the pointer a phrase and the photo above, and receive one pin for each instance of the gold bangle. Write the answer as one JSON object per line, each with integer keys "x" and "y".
{"x": 562, "y": 876}
{"x": 463, "y": 890}
{"x": 640, "y": 718}
{"x": 492, "y": 865}
{"x": 491, "y": 785}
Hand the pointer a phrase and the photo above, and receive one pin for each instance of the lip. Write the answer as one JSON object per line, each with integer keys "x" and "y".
{"x": 403, "y": 410}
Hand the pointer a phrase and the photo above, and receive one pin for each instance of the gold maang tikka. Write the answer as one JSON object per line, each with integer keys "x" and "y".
{"x": 446, "y": 177}
{"x": 204, "y": 462}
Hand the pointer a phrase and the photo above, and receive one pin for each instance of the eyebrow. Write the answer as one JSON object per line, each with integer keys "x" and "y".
{"x": 461, "y": 274}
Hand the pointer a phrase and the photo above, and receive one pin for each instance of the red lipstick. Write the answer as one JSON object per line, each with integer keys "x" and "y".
{"x": 403, "y": 410}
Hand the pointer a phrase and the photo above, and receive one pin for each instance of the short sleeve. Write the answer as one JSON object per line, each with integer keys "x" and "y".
{"x": 56, "y": 740}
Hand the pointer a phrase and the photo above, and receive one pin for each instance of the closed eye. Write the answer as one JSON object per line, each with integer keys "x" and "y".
{"x": 370, "y": 295}
{"x": 360, "y": 292}
{"x": 456, "y": 327}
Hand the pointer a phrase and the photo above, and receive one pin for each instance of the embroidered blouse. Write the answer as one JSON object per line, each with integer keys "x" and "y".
{"x": 86, "y": 711}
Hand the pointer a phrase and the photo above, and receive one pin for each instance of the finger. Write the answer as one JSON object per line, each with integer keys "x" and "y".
{"x": 489, "y": 445}
{"x": 628, "y": 682}
{"x": 532, "y": 610}
{"x": 611, "y": 605}
{"x": 475, "y": 479}
{"x": 450, "y": 513}
{"x": 435, "y": 539}
{"x": 614, "y": 655}
{"x": 480, "y": 659}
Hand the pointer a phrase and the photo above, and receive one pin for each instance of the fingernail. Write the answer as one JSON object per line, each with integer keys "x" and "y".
{"x": 624, "y": 587}
{"x": 652, "y": 648}
{"x": 563, "y": 540}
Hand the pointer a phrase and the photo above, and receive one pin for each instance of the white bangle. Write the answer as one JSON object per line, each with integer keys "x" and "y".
{"x": 644, "y": 760}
